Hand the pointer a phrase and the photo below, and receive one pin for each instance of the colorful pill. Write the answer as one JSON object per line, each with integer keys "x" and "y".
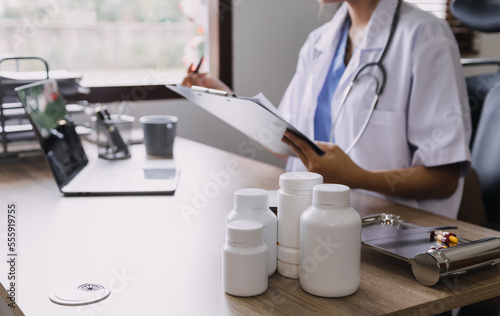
{"x": 432, "y": 248}
{"x": 442, "y": 236}
{"x": 442, "y": 239}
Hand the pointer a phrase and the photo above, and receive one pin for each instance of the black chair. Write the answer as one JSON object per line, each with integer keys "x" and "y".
{"x": 484, "y": 97}
{"x": 482, "y": 16}
{"x": 479, "y": 15}
{"x": 478, "y": 87}
{"x": 486, "y": 155}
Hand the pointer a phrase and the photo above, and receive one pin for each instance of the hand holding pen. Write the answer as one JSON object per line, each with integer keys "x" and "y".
{"x": 197, "y": 69}
{"x": 194, "y": 78}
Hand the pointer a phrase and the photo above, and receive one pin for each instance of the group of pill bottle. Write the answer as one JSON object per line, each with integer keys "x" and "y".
{"x": 249, "y": 255}
{"x": 315, "y": 238}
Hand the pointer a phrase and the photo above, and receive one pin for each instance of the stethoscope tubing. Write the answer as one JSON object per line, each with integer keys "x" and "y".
{"x": 379, "y": 87}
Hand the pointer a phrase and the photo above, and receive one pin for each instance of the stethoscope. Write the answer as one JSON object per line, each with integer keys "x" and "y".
{"x": 379, "y": 87}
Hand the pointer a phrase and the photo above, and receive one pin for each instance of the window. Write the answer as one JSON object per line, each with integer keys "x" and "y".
{"x": 438, "y": 7}
{"x": 117, "y": 43}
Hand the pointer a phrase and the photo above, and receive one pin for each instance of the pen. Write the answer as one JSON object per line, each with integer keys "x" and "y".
{"x": 102, "y": 116}
{"x": 209, "y": 90}
{"x": 199, "y": 65}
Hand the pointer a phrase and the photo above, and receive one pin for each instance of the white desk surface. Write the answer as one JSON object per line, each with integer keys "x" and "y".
{"x": 156, "y": 262}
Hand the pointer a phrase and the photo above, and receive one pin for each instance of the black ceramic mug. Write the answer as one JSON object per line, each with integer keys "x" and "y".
{"x": 159, "y": 134}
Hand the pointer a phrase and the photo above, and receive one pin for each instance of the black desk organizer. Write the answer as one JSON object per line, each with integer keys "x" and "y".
{"x": 16, "y": 133}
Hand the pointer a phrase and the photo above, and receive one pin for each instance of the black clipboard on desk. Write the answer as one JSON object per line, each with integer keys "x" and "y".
{"x": 255, "y": 117}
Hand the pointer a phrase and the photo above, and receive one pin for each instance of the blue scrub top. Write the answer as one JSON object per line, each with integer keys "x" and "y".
{"x": 323, "y": 116}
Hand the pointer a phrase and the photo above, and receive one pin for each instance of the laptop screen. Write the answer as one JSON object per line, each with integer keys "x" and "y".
{"x": 54, "y": 128}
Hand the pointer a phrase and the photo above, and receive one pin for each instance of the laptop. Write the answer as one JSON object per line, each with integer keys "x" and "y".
{"x": 79, "y": 173}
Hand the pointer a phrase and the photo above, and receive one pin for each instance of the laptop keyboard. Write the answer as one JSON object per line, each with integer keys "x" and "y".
{"x": 122, "y": 176}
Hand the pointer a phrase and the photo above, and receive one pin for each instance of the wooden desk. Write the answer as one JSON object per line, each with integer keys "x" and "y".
{"x": 163, "y": 254}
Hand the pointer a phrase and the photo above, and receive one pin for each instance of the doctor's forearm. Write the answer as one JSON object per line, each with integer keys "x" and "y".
{"x": 416, "y": 182}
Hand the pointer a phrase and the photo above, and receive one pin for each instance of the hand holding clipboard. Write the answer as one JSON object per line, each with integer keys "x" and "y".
{"x": 254, "y": 117}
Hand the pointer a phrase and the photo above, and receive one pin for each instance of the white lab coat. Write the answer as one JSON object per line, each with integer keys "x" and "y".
{"x": 422, "y": 116}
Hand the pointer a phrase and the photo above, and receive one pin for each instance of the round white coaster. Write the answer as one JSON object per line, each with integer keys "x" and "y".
{"x": 79, "y": 294}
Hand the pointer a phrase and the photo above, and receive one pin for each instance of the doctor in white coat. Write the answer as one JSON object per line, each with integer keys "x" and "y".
{"x": 414, "y": 147}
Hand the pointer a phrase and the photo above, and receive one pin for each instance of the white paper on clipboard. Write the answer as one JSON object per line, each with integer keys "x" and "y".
{"x": 255, "y": 117}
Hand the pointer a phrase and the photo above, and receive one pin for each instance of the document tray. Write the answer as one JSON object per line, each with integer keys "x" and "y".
{"x": 429, "y": 265}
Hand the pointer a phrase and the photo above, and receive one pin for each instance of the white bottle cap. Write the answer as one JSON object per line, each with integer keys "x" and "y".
{"x": 252, "y": 199}
{"x": 288, "y": 254}
{"x": 331, "y": 195}
{"x": 300, "y": 181}
{"x": 243, "y": 231}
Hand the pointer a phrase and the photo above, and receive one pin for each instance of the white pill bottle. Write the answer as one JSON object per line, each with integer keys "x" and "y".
{"x": 244, "y": 259}
{"x": 294, "y": 197}
{"x": 253, "y": 204}
{"x": 330, "y": 243}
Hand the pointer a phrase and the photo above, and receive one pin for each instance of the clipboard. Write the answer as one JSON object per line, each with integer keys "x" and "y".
{"x": 255, "y": 117}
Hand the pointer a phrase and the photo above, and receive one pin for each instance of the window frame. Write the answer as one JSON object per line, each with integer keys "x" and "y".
{"x": 221, "y": 64}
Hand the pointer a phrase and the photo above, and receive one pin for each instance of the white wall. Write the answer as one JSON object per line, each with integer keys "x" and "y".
{"x": 488, "y": 46}
{"x": 268, "y": 35}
